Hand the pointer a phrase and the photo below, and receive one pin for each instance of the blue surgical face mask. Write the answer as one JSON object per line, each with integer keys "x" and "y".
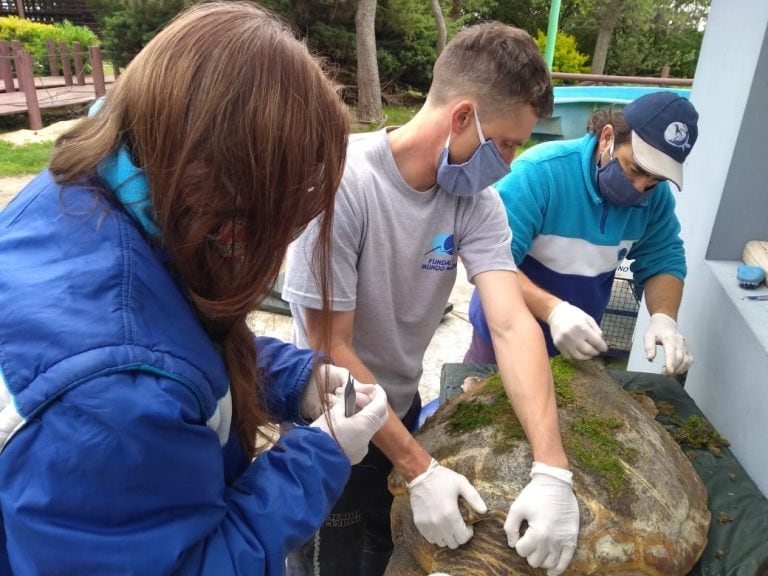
{"x": 614, "y": 185}
{"x": 473, "y": 176}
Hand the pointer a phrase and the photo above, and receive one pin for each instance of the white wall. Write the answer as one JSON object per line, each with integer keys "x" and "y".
{"x": 729, "y": 378}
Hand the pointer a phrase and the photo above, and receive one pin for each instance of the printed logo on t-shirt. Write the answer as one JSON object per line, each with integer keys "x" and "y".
{"x": 440, "y": 254}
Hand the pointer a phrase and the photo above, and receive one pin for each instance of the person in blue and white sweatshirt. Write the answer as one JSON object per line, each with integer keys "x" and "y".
{"x": 132, "y": 392}
{"x": 577, "y": 208}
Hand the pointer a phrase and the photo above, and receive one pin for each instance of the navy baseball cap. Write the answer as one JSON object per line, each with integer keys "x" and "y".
{"x": 664, "y": 129}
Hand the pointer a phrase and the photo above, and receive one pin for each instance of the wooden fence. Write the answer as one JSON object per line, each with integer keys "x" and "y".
{"x": 24, "y": 91}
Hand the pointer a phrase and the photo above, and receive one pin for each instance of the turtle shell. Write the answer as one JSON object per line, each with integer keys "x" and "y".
{"x": 643, "y": 509}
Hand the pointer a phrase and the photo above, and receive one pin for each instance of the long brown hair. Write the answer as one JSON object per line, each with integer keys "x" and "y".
{"x": 242, "y": 137}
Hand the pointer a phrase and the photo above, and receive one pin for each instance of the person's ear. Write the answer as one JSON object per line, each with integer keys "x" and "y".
{"x": 462, "y": 116}
{"x": 606, "y": 137}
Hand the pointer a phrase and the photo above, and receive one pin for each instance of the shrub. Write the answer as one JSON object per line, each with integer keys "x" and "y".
{"x": 567, "y": 57}
{"x": 128, "y": 25}
{"x": 68, "y": 32}
{"x": 26, "y": 31}
{"x": 406, "y": 36}
{"x": 33, "y": 36}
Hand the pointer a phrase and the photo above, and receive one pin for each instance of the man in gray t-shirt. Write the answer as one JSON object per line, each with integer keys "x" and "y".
{"x": 394, "y": 262}
{"x": 412, "y": 200}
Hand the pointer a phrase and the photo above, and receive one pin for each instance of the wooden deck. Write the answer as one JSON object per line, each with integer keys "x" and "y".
{"x": 51, "y": 93}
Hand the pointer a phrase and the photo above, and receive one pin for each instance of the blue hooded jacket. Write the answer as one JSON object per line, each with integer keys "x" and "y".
{"x": 118, "y": 452}
{"x": 569, "y": 241}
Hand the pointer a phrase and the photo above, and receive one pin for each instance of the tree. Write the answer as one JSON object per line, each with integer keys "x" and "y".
{"x": 530, "y": 15}
{"x": 671, "y": 36}
{"x": 405, "y": 38}
{"x": 637, "y": 37}
{"x": 406, "y": 42}
{"x": 437, "y": 11}
{"x": 609, "y": 18}
{"x": 128, "y": 25}
{"x": 369, "y": 109}
{"x": 646, "y": 34}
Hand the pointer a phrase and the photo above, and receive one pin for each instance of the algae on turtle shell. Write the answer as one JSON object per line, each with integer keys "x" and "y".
{"x": 643, "y": 509}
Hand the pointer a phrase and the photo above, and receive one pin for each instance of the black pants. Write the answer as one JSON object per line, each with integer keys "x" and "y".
{"x": 356, "y": 538}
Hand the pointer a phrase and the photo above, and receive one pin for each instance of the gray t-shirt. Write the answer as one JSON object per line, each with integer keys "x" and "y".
{"x": 394, "y": 262}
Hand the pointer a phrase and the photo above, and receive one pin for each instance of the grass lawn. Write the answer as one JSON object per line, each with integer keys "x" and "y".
{"x": 26, "y": 159}
{"x": 394, "y": 116}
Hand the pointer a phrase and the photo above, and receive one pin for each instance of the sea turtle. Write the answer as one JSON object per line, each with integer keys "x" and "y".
{"x": 643, "y": 509}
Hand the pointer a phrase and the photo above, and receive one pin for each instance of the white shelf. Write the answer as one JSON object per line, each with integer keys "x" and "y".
{"x": 754, "y": 313}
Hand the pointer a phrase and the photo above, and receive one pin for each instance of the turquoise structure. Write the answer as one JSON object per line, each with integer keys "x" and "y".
{"x": 575, "y": 104}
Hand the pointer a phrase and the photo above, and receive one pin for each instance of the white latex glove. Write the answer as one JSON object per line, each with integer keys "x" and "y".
{"x": 663, "y": 330}
{"x": 325, "y": 379}
{"x": 354, "y": 433}
{"x": 575, "y": 333}
{"x": 435, "y": 504}
{"x": 550, "y": 507}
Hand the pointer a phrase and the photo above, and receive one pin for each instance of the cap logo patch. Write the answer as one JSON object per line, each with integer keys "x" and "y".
{"x": 676, "y": 135}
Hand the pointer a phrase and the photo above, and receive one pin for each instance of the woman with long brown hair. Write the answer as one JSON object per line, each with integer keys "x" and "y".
{"x": 132, "y": 392}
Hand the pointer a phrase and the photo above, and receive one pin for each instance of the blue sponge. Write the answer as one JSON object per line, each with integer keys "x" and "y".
{"x": 749, "y": 276}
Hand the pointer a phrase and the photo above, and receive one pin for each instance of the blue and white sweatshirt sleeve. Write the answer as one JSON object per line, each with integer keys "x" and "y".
{"x": 525, "y": 202}
{"x": 525, "y": 199}
{"x": 120, "y": 476}
{"x": 660, "y": 250}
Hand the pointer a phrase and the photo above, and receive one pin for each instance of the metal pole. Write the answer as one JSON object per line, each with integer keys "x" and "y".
{"x": 554, "y": 16}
